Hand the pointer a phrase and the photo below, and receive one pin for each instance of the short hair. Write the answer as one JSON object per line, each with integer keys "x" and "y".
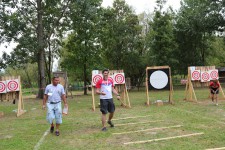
{"x": 55, "y": 76}
{"x": 105, "y": 70}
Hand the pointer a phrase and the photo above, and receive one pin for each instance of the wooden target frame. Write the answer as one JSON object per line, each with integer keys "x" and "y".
{"x": 170, "y": 82}
{"x": 190, "y": 91}
{"x": 13, "y": 95}
{"x": 125, "y": 101}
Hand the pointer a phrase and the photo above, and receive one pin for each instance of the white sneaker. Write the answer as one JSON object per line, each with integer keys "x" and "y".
{"x": 216, "y": 104}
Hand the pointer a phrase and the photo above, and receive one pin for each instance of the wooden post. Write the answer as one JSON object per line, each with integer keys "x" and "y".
{"x": 20, "y": 110}
{"x": 146, "y": 84}
{"x": 93, "y": 97}
{"x": 128, "y": 99}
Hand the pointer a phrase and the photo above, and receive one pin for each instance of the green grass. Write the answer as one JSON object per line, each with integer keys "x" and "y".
{"x": 81, "y": 128}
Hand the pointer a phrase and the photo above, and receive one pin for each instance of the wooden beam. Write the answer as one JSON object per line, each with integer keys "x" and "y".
{"x": 93, "y": 97}
{"x": 177, "y": 126}
{"x": 137, "y": 123}
{"x": 132, "y": 117}
{"x": 216, "y": 148}
{"x": 162, "y": 139}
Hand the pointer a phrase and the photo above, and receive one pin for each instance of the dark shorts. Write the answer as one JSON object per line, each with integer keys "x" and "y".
{"x": 214, "y": 89}
{"x": 107, "y": 105}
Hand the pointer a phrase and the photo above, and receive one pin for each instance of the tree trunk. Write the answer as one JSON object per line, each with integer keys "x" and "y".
{"x": 85, "y": 77}
{"x": 41, "y": 52}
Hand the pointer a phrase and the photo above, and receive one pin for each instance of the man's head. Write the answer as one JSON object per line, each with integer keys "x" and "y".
{"x": 105, "y": 73}
{"x": 215, "y": 81}
{"x": 55, "y": 80}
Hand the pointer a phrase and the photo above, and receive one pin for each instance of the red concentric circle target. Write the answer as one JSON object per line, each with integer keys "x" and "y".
{"x": 195, "y": 75}
{"x": 205, "y": 76}
{"x": 111, "y": 78}
{"x": 214, "y": 75}
{"x": 119, "y": 78}
{"x": 12, "y": 85}
{"x": 2, "y": 87}
{"x": 96, "y": 78}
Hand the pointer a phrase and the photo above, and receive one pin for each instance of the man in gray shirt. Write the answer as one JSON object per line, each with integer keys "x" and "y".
{"x": 54, "y": 93}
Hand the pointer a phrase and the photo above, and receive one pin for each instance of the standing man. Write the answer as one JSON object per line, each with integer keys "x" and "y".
{"x": 105, "y": 87}
{"x": 54, "y": 93}
{"x": 214, "y": 89}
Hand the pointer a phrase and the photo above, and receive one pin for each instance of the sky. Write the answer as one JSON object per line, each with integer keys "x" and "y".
{"x": 144, "y": 5}
{"x": 138, "y": 5}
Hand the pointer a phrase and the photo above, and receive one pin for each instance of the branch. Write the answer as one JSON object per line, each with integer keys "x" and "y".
{"x": 56, "y": 23}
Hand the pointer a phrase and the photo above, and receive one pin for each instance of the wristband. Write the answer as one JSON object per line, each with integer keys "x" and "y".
{"x": 118, "y": 94}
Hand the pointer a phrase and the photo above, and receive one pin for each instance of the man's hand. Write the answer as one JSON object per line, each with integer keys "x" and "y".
{"x": 102, "y": 93}
{"x": 66, "y": 105}
{"x": 118, "y": 97}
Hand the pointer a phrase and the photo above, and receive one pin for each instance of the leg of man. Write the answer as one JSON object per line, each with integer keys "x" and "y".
{"x": 58, "y": 117}
{"x": 216, "y": 99}
{"x": 111, "y": 107}
{"x": 103, "y": 120}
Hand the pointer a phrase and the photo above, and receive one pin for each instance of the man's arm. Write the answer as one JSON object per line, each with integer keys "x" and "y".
{"x": 44, "y": 101}
{"x": 115, "y": 92}
{"x": 98, "y": 91}
{"x": 64, "y": 99}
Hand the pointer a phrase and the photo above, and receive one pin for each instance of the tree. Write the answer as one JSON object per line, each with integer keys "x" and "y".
{"x": 82, "y": 47}
{"x": 195, "y": 23}
{"x": 160, "y": 39}
{"x": 32, "y": 24}
{"x": 121, "y": 40}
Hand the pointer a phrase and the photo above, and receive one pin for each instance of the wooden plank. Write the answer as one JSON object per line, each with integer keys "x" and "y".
{"x": 137, "y": 123}
{"x": 93, "y": 97}
{"x": 146, "y": 84}
{"x": 132, "y": 117}
{"x": 220, "y": 148}
{"x": 162, "y": 139}
{"x": 157, "y": 67}
{"x": 161, "y": 128}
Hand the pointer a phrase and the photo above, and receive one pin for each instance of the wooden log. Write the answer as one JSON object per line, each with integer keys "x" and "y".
{"x": 162, "y": 139}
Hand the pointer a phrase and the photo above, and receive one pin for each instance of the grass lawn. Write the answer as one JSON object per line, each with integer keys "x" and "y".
{"x": 81, "y": 128}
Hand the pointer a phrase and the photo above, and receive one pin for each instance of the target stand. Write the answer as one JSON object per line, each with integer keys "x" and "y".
{"x": 10, "y": 89}
{"x": 118, "y": 78}
{"x": 159, "y": 78}
{"x": 200, "y": 76}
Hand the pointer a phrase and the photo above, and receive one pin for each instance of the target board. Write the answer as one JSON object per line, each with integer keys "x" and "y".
{"x": 2, "y": 86}
{"x": 12, "y": 85}
{"x": 195, "y": 75}
{"x": 214, "y": 74}
{"x": 111, "y": 78}
{"x": 205, "y": 76}
{"x": 95, "y": 78}
{"x": 159, "y": 79}
{"x": 119, "y": 78}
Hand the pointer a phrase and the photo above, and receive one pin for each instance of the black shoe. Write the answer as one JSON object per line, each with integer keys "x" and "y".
{"x": 52, "y": 129}
{"x": 57, "y": 133}
{"x": 110, "y": 123}
{"x": 104, "y": 129}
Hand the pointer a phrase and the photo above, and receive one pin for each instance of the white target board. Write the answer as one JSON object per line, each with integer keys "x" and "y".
{"x": 95, "y": 78}
{"x": 205, "y": 76}
{"x": 119, "y": 78}
{"x": 214, "y": 74}
{"x": 13, "y": 85}
{"x": 195, "y": 75}
{"x": 159, "y": 79}
{"x": 3, "y": 86}
{"x": 94, "y": 72}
